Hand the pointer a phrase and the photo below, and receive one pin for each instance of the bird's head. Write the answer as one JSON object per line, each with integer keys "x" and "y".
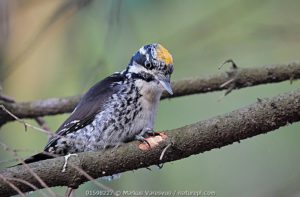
{"x": 154, "y": 64}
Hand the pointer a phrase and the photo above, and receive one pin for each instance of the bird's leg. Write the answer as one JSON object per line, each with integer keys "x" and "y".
{"x": 66, "y": 161}
{"x": 144, "y": 134}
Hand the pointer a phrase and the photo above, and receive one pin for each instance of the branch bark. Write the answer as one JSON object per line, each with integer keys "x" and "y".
{"x": 261, "y": 117}
{"x": 238, "y": 78}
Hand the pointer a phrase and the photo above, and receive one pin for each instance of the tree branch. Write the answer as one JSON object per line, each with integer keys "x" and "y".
{"x": 261, "y": 117}
{"x": 233, "y": 79}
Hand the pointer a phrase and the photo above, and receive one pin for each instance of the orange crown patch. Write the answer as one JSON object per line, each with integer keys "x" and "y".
{"x": 164, "y": 55}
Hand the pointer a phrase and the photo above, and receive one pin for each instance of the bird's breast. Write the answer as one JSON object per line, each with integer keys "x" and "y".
{"x": 149, "y": 100}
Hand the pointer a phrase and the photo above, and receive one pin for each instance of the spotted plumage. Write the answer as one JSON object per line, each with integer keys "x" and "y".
{"x": 118, "y": 109}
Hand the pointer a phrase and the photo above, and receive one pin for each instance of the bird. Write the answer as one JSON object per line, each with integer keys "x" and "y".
{"x": 118, "y": 109}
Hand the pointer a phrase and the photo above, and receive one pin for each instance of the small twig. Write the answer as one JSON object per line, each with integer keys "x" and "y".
{"x": 42, "y": 123}
{"x": 28, "y": 168}
{"x": 229, "y": 90}
{"x": 233, "y": 64}
{"x": 69, "y": 192}
{"x": 9, "y": 99}
{"x": 227, "y": 83}
{"x": 12, "y": 186}
{"x": 233, "y": 77}
{"x": 15, "y": 117}
{"x": 160, "y": 165}
{"x": 96, "y": 183}
{"x": 49, "y": 133}
{"x": 14, "y": 160}
{"x": 164, "y": 151}
{"x": 102, "y": 186}
{"x": 26, "y": 125}
{"x": 29, "y": 184}
{"x": 66, "y": 161}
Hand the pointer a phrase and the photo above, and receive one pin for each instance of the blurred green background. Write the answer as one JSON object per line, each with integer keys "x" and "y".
{"x": 61, "y": 48}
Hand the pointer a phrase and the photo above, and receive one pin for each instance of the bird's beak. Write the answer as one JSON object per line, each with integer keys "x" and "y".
{"x": 165, "y": 82}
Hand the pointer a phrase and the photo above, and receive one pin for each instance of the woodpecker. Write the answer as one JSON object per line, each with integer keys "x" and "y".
{"x": 118, "y": 109}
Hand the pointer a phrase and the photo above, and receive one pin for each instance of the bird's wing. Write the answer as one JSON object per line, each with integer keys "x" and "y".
{"x": 90, "y": 104}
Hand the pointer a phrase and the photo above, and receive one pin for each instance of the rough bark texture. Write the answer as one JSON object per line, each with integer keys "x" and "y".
{"x": 261, "y": 117}
{"x": 241, "y": 77}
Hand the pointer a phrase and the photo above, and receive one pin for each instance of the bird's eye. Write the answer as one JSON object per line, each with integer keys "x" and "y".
{"x": 148, "y": 65}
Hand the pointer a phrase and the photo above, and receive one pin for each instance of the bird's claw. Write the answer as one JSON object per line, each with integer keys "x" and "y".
{"x": 152, "y": 141}
{"x": 142, "y": 140}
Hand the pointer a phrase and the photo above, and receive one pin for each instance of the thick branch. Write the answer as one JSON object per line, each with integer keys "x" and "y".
{"x": 261, "y": 117}
{"x": 239, "y": 78}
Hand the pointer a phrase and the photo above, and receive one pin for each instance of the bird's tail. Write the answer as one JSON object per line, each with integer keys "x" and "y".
{"x": 36, "y": 157}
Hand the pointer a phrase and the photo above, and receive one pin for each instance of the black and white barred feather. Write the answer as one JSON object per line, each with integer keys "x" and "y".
{"x": 116, "y": 109}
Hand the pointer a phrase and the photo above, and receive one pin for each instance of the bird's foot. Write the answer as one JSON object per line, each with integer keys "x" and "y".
{"x": 142, "y": 139}
{"x": 66, "y": 161}
{"x": 147, "y": 132}
{"x": 150, "y": 132}
{"x": 152, "y": 141}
